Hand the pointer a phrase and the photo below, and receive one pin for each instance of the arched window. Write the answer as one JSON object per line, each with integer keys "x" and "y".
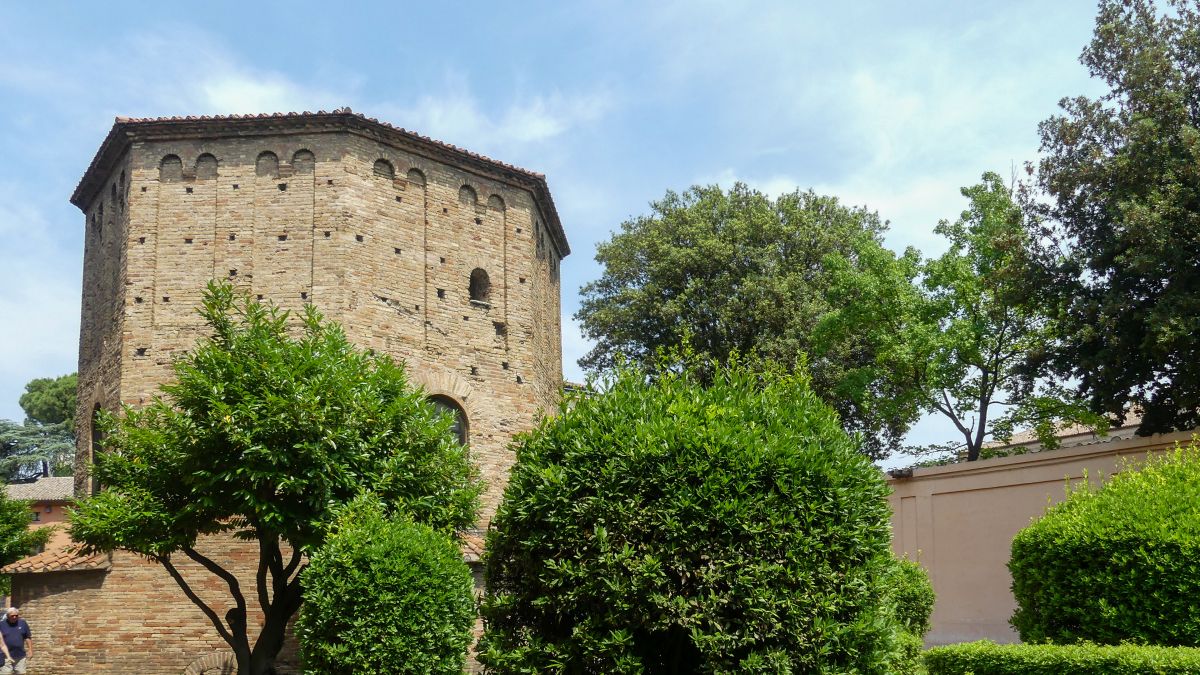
{"x": 96, "y": 440}
{"x": 416, "y": 177}
{"x": 448, "y": 406}
{"x": 303, "y": 161}
{"x": 480, "y": 288}
{"x": 267, "y": 165}
{"x": 466, "y": 195}
{"x": 171, "y": 169}
{"x": 206, "y": 167}
{"x": 383, "y": 168}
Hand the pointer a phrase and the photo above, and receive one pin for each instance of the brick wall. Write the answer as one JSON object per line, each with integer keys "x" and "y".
{"x": 131, "y": 618}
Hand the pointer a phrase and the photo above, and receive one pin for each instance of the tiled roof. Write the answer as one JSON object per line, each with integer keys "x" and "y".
{"x": 118, "y": 139}
{"x": 49, "y": 489}
{"x": 63, "y": 559}
{"x": 472, "y": 546}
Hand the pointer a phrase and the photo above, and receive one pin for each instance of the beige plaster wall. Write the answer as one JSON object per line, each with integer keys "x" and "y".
{"x": 959, "y": 521}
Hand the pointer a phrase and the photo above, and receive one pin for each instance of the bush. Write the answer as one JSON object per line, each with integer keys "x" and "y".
{"x": 913, "y": 594}
{"x": 1115, "y": 564}
{"x": 664, "y": 526}
{"x": 988, "y": 658}
{"x": 384, "y": 595}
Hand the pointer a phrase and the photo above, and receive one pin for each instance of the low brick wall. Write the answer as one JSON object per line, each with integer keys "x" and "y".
{"x": 133, "y": 618}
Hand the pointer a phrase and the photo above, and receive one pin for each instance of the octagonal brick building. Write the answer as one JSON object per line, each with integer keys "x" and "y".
{"x": 439, "y": 257}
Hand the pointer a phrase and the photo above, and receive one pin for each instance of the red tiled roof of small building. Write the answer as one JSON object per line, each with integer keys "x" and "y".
{"x": 65, "y": 559}
{"x": 45, "y": 489}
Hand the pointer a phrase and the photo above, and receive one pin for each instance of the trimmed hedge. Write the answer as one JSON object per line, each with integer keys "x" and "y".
{"x": 385, "y": 595}
{"x": 913, "y": 594}
{"x": 1118, "y": 563}
{"x": 667, "y": 526}
{"x": 989, "y": 658}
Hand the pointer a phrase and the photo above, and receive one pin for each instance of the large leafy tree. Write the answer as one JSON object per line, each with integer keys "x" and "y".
{"x": 951, "y": 334}
{"x": 263, "y": 434}
{"x": 46, "y": 441}
{"x": 1121, "y": 263}
{"x": 676, "y": 525}
{"x": 739, "y": 272}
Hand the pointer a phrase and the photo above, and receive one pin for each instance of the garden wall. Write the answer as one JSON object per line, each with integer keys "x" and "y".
{"x": 959, "y": 521}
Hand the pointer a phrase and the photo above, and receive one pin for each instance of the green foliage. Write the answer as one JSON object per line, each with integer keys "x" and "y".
{"x": 667, "y": 526}
{"x": 25, "y": 449}
{"x": 1118, "y": 563}
{"x": 47, "y": 438}
{"x": 385, "y": 595}
{"x": 1121, "y": 262}
{"x": 952, "y": 333}
{"x": 50, "y": 400}
{"x": 266, "y": 430}
{"x": 912, "y": 592}
{"x": 17, "y": 540}
{"x": 988, "y": 658}
{"x": 738, "y": 272}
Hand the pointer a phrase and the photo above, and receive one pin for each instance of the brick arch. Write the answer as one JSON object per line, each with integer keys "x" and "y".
{"x": 217, "y": 663}
{"x": 206, "y": 166}
{"x": 449, "y": 384}
{"x": 468, "y": 195}
{"x": 416, "y": 176}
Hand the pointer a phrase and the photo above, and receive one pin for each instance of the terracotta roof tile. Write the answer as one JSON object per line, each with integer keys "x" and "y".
{"x": 338, "y": 111}
{"x": 49, "y": 489}
{"x": 62, "y": 559}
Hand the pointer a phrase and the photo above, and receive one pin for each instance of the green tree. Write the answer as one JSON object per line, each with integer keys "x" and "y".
{"x": 1121, "y": 255}
{"x": 262, "y": 435}
{"x": 669, "y": 525}
{"x": 738, "y": 272}
{"x": 17, "y": 540}
{"x": 385, "y": 595}
{"x": 50, "y": 400}
{"x": 953, "y": 333}
{"x": 46, "y": 441}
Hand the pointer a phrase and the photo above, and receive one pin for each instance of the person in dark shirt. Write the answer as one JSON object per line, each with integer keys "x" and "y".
{"x": 17, "y": 643}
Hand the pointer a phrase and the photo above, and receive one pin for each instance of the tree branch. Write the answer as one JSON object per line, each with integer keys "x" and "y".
{"x": 293, "y": 563}
{"x": 235, "y": 588}
{"x": 187, "y": 590}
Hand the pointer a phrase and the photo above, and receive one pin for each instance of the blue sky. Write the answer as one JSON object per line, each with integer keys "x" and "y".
{"x": 894, "y": 106}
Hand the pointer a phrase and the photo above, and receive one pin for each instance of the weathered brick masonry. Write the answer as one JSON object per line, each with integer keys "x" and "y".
{"x": 439, "y": 257}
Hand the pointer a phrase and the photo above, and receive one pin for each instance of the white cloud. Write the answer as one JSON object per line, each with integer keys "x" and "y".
{"x": 456, "y": 115}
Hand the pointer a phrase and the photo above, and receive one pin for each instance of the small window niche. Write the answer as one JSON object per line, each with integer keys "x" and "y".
{"x": 480, "y": 288}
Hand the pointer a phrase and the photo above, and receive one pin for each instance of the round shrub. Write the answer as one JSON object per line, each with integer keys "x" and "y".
{"x": 663, "y": 526}
{"x": 912, "y": 592}
{"x": 385, "y": 595}
{"x": 1115, "y": 564}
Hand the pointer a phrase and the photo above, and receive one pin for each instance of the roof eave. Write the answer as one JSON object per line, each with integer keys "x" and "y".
{"x": 125, "y": 129}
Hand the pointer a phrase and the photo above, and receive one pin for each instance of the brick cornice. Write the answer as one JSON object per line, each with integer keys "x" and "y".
{"x": 126, "y": 131}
